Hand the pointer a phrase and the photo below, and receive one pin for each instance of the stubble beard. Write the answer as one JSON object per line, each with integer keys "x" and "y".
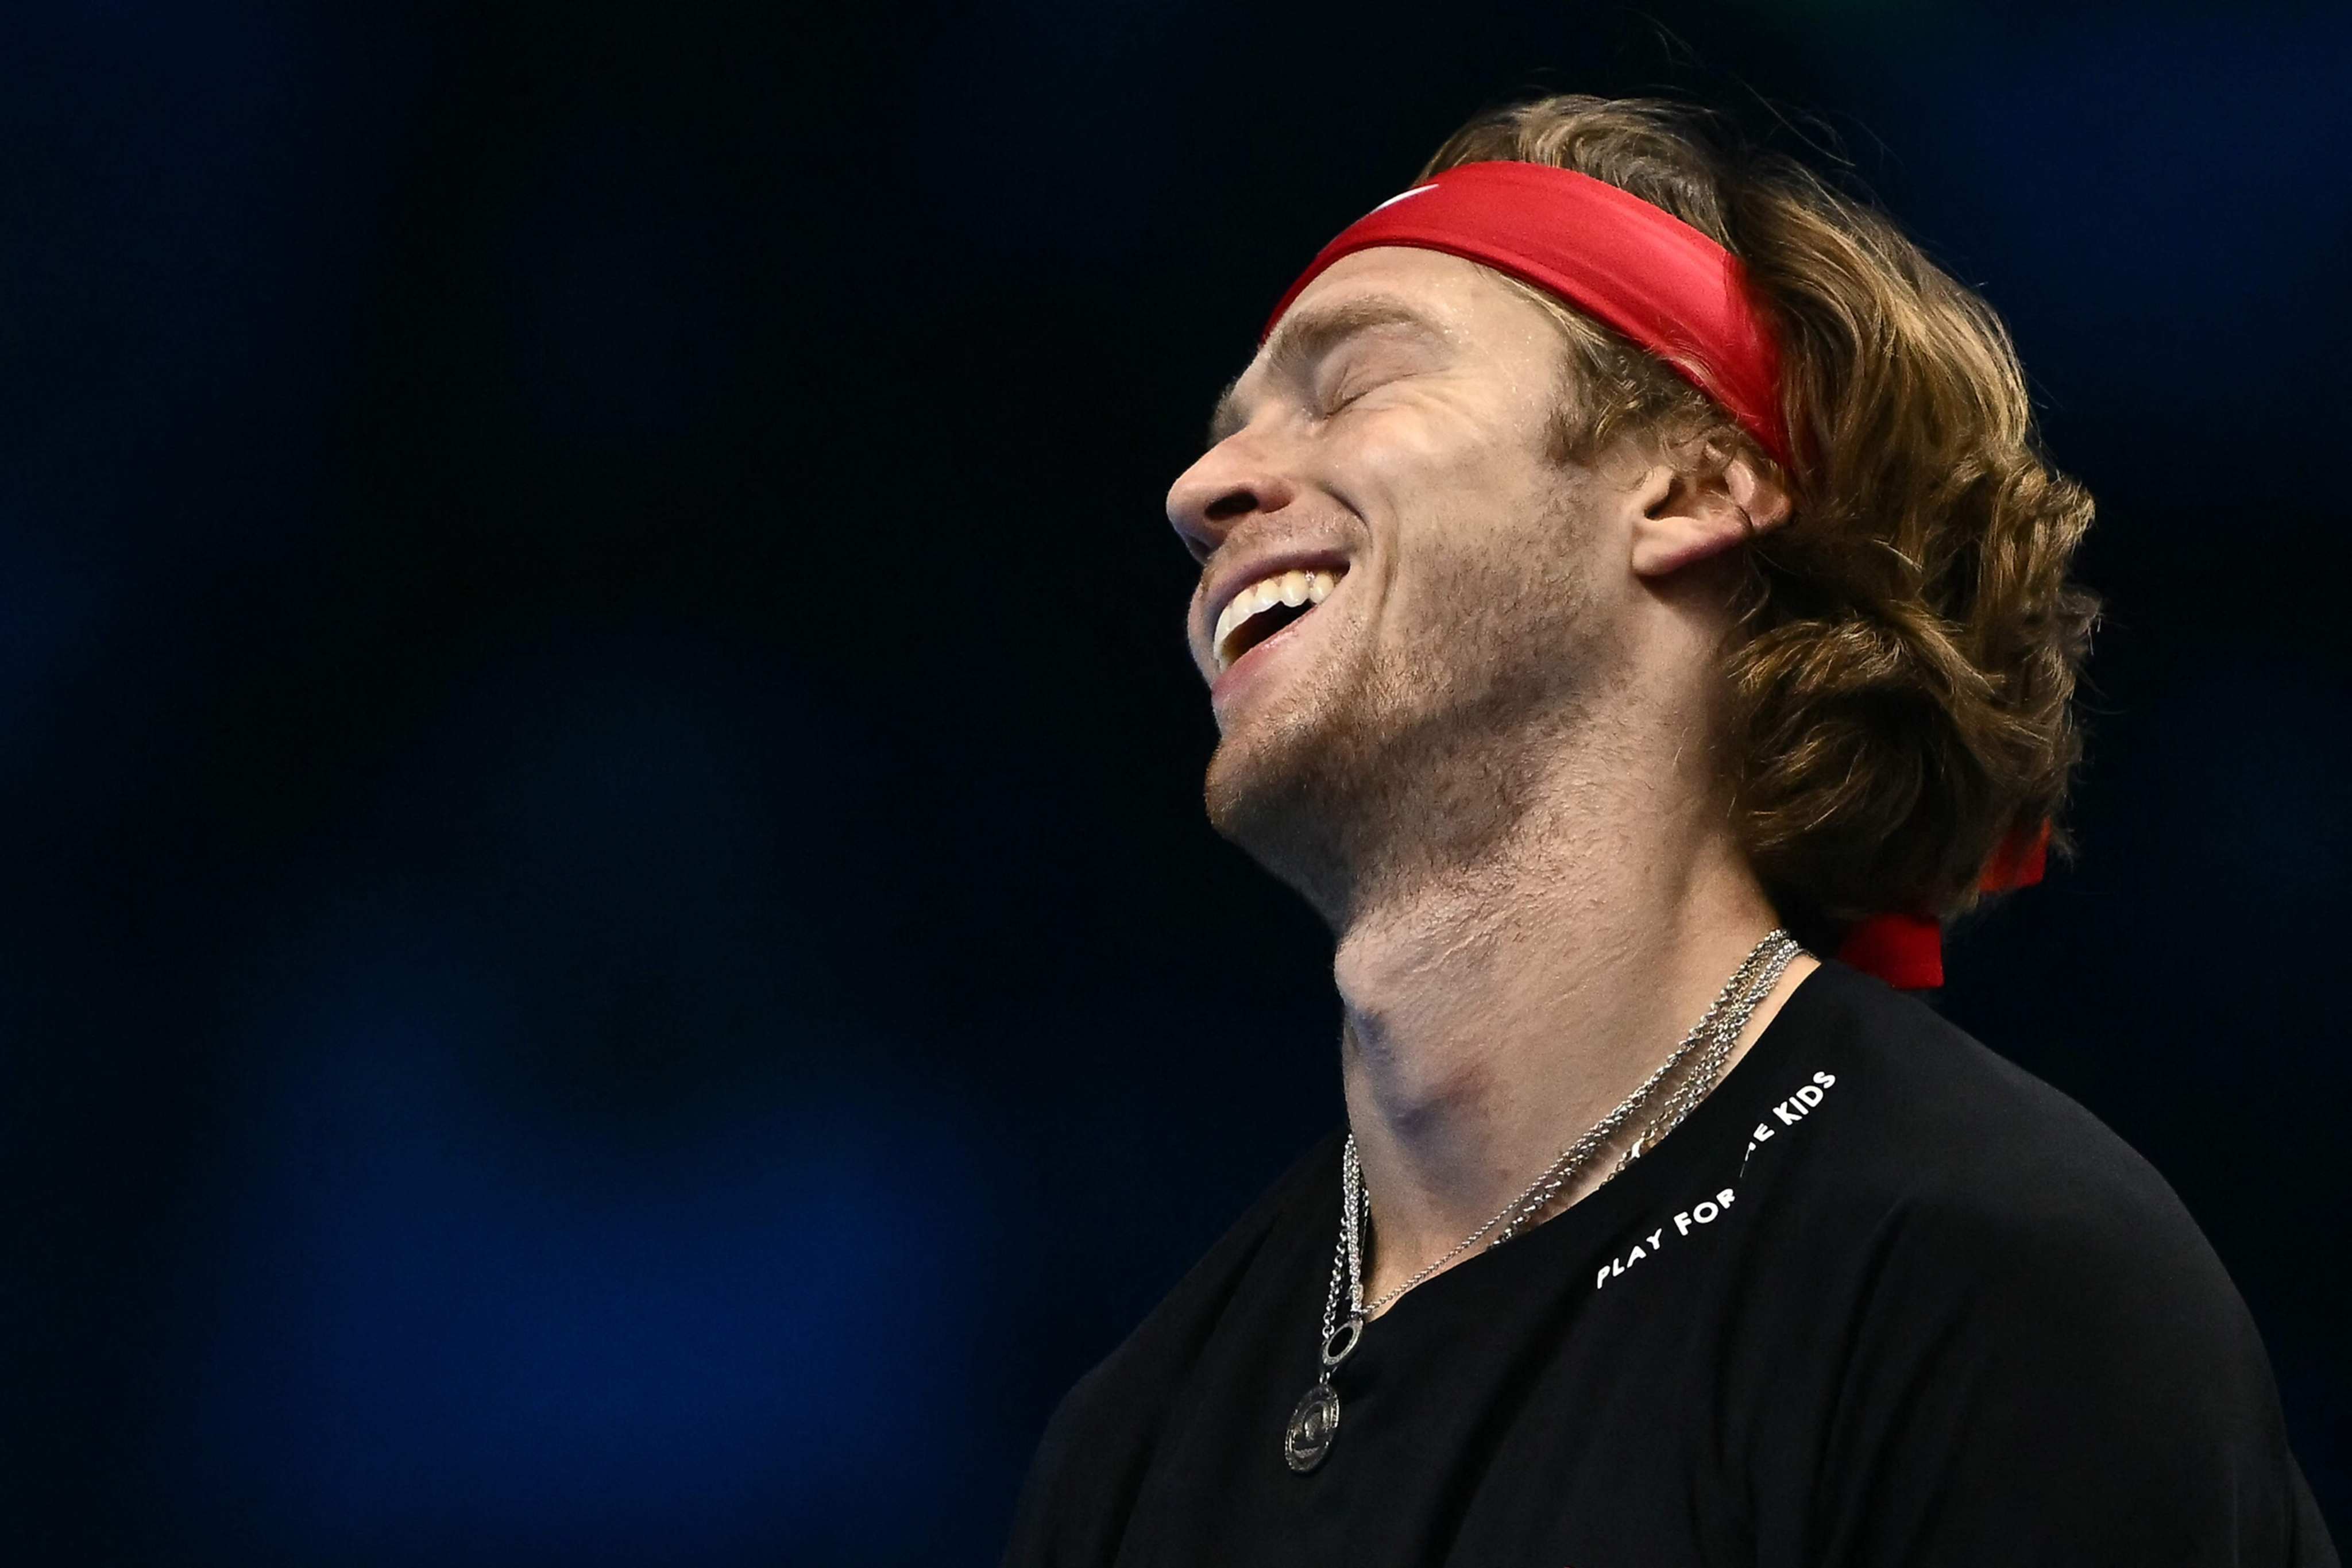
{"x": 1403, "y": 765}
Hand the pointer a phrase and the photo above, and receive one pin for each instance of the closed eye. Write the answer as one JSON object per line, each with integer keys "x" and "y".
{"x": 1356, "y": 382}
{"x": 1351, "y": 391}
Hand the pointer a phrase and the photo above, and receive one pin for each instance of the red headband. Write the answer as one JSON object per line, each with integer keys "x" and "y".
{"x": 1683, "y": 299}
{"x": 1629, "y": 265}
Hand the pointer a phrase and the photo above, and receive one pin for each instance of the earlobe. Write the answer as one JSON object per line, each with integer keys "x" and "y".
{"x": 1689, "y": 517}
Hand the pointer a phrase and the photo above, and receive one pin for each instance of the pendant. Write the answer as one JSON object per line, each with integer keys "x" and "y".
{"x": 1312, "y": 1427}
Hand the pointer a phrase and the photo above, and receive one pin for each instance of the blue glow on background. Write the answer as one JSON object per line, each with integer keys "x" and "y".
{"x": 437, "y": 1328}
{"x": 515, "y": 1260}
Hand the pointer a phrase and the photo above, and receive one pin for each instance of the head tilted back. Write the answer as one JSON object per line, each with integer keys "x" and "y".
{"x": 1901, "y": 681}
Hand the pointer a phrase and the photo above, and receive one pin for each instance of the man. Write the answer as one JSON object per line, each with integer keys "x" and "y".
{"x": 1616, "y": 557}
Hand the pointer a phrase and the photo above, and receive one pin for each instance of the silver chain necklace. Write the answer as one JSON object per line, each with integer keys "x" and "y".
{"x": 1315, "y": 1420}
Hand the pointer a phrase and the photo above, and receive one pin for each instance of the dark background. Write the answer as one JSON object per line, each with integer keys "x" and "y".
{"x": 611, "y": 953}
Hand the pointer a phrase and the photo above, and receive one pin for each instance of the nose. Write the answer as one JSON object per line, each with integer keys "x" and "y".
{"x": 1232, "y": 480}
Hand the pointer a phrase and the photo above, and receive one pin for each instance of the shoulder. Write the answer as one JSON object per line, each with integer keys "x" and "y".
{"x": 1933, "y": 1182}
{"x": 2021, "y": 1332}
{"x": 1930, "y": 1131}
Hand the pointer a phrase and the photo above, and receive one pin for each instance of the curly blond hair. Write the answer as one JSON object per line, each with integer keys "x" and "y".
{"x": 1902, "y": 676}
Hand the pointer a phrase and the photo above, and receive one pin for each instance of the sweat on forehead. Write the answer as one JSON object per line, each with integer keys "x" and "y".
{"x": 1316, "y": 328}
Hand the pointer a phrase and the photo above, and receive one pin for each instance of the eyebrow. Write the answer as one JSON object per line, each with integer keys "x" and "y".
{"x": 1306, "y": 336}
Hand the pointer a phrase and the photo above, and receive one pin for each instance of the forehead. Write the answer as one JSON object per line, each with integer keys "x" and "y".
{"x": 1458, "y": 295}
{"x": 1402, "y": 290}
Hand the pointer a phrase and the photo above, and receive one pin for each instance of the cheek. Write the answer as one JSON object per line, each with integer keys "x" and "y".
{"x": 1494, "y": 559}
{"x": 1409, "y": 468}
{"x": 1461, "y": 502}
{"x": 1484, "y": 500}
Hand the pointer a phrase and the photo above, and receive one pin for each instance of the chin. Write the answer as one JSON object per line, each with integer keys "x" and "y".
{"x": 1282, "y": 788}
{"x": 1257, "y": 783}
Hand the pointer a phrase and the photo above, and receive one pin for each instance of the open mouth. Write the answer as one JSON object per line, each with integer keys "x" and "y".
{"x": 1266, "y": 607}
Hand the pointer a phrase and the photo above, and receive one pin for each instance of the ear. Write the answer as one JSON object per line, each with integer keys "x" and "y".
{"x": 1689, "y": 516}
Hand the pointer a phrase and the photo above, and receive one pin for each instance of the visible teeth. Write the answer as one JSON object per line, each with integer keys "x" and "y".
{"x": 1289, "y": 588}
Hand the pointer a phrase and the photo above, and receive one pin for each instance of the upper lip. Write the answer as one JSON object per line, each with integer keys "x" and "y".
{"x": 1230, "y": 578}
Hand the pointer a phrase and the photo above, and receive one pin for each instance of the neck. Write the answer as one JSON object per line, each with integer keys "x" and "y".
{"x": 1493, "y": 1013}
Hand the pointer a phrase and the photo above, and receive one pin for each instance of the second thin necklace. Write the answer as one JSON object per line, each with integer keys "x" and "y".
{"x": 1315, "y": 1423}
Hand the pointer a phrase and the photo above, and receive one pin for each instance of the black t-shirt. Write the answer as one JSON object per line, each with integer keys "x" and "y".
{"x": 1883, "y": 1298}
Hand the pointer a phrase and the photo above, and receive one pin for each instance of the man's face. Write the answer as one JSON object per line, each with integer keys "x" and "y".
{"x": 1387, "y": 452}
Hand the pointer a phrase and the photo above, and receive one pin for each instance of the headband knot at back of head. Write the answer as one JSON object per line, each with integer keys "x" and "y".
{"x": 1634, "y": 268}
